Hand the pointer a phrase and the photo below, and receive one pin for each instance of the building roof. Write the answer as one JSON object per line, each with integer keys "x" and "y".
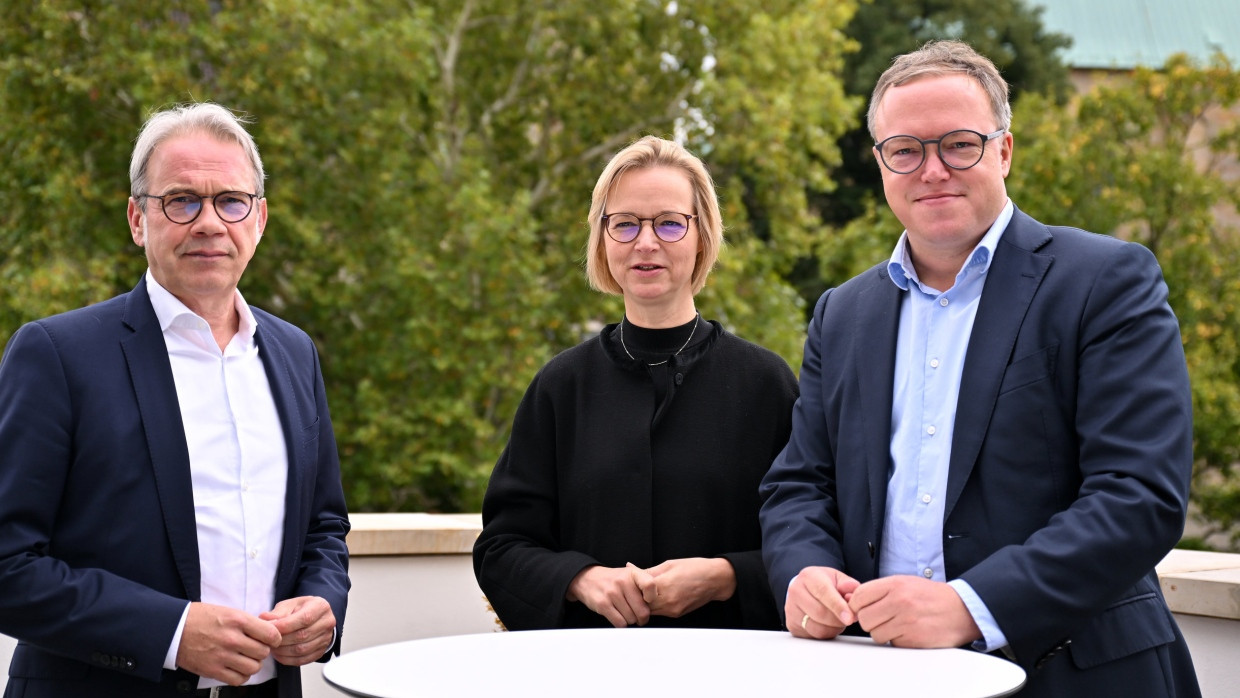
{"x": 1122, "y": 34}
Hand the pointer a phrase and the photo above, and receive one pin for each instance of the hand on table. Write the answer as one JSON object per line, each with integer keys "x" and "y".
{"x": 676, "y": 587}
{"x": 817, "y": 603}
{"x": 910, "y": 611}
{"x": 611, "y": 593}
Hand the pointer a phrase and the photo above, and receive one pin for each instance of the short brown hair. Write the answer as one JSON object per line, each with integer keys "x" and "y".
{"x": 648, "y": 152}
{"x": 938, "y": 58}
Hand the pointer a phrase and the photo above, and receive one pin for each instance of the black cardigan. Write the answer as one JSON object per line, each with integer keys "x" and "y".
{"x": 593, "y": 475}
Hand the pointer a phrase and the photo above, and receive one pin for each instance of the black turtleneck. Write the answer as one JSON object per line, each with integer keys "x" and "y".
{"x": 653, "y": 346}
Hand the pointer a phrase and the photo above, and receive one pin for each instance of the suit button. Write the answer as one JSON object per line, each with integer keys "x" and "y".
{"x": 680, "y": 378}
{"x": 183, "y": 686}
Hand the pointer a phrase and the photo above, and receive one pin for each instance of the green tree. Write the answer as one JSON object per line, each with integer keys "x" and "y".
{"x": 430, "y": 167}
{"x": 1152, "y": 157}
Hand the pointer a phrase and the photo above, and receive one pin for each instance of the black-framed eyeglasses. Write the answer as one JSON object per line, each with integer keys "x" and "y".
{"x": 959, "y": 150}
{"x": 184, "y": 207}
{"x": 668, "y": 226}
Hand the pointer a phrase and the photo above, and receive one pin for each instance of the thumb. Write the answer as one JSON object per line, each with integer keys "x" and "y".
{"x": 645, "y": 582}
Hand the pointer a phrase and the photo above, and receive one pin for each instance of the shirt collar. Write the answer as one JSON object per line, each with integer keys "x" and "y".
{"x": 171, "y": 312}
{"x": 900, "y": 266}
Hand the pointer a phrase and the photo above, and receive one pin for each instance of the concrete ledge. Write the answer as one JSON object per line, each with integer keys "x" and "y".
{"x": 1201, "y": 583}
{"x": 1194, "y": 582}
{"x": 413, "y": 534}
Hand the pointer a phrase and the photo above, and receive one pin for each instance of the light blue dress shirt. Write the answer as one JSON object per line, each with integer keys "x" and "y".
{"x": 930, "y": 352}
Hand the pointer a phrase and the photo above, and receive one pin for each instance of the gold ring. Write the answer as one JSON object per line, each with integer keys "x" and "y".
{"x": 804, "y": 620}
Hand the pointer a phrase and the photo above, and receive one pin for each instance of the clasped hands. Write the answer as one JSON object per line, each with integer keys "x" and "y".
{"x": 630, "y": 595}
{"x": 903, "y": 610}
{"x": 230, "y": 645}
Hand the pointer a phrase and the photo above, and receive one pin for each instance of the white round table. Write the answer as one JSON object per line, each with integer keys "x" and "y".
{"x": 648, "y": 662}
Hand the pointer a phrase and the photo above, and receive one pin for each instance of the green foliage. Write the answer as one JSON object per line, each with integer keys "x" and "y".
{"x": 1008, "y": 32}
{"x": 1153, "y": 158}
{"x": 430, "y": 167}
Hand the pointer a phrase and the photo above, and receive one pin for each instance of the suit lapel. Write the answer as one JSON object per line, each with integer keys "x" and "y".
{"x": 278, "y": 368}
{"x": 150, "y": 371}
{"x": 878, "y": 320}
{"x": 1014, "y": 277}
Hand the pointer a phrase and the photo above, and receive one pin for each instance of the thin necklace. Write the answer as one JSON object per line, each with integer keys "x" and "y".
{"x": 696, "y": 318}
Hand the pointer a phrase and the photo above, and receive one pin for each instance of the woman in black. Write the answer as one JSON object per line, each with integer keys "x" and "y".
{"x": 627, "y": 493}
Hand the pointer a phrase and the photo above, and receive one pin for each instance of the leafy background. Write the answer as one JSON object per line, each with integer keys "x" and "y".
{"x": 430, "y": 167}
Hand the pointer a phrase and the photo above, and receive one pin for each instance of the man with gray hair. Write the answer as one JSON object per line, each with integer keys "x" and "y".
{"x": 172, "y": 520}
{"x": 993, "y": 443}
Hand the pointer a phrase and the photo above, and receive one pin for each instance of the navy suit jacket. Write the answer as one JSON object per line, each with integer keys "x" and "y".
{"x": 1070, "y": 462}
{"x": 98, "y": 544}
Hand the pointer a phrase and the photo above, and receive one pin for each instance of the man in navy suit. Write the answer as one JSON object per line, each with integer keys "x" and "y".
{"x": 993, "y": 442}
{"x": 171, "y": 514}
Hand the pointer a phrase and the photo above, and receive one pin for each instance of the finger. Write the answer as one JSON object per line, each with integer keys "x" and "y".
{"x": 637, "y": 605}
{"x": 252, "y": 649}
{"x": 263, "y": 633}
{"x": 820, "y": 631}
{"x": 231, "y": 676}
{"x": 301, "y": 618}
{"x": 868, "y": 594}
{"x": 243, "y": 666}
{"x": 792, "y": 613}
{"x": 288, "y": 615}
{"x": 822, "y": 600}
{"x": 302, "y": 653}
{"x": 317, "y": 626}
{"x": 624, "y": 615}
{"x": 645, "y": 583}
{"x": 881, "y": 625}
{"x": 874, "y": 616}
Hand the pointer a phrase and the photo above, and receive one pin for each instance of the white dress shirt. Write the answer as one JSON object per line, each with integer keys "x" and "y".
{"x": 238, "y": 461}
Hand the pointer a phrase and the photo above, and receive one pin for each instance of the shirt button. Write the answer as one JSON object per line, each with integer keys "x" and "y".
{"x": 927, "y": 573}
{"x": 934, "y": 363}
{"x": 925, "y": 498}
{"x": 253, "y": 553}
{"x": 943, "y": 302}
{"x": 930, "y": 430}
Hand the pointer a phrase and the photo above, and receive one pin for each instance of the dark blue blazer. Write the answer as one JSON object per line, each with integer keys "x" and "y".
{"x": 98, "y": 545}
{"x": 1070, "y": 462}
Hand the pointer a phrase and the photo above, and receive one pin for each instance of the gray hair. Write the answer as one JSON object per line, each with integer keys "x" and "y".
{"x": 184, "y": 119}
{"x": 939, "y": 58}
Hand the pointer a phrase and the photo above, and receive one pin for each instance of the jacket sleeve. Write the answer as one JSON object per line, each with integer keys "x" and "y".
{"x": 1127, "y": 429}
{"x": 324, "y": 563}
{"x": 800, "y": 526}
{"x": 81, "y": 612}
{"x": 753, "y": 591}
{"x": 518, "y": 559}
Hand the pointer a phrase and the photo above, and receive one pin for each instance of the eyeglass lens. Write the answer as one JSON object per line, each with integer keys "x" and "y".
{"x": 231, "y": 206}
{"x": 669, "y": 227}
{"x": 959, "y": 149}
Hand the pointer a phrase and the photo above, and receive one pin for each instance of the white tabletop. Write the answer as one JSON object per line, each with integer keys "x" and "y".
{"x": 647, "y": 662}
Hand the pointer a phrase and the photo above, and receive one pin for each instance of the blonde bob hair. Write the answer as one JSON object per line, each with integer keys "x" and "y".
{"x": 645, "y": 153}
